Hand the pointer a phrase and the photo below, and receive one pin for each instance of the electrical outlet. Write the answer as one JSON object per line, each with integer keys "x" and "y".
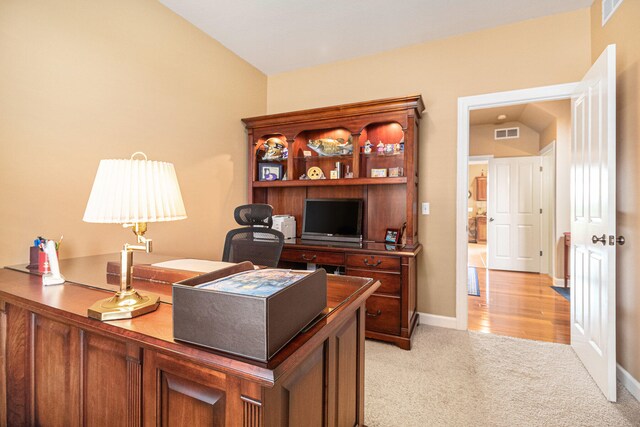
{"x": 425, "y": 208}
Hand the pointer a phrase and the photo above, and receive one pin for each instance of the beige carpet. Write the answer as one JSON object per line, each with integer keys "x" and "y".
{"x": 457, "y": 378}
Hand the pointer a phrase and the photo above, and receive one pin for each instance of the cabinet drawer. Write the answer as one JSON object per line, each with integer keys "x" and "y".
{"x": 379, "y": 262}
{"x": 383, "y": 314}
{"x": 389, "y": 282}
{"x": 315, "y": 257}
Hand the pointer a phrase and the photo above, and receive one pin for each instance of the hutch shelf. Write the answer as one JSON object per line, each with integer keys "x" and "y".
{"x": 370, "y": 149}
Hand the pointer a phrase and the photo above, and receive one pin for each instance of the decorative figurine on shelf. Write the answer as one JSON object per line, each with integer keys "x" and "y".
{"x": 367, "y": 147}
{"x": 272, "y": 149}
{"x": 388, "y": 149}
{"x": 331, "y": 147}
{"x": 348, "y": 173}
{"x": 396, "y": 148}
{"x": 285, "y": 153}
{"x": 315, "y": 172}
{"x": 380, "y": 147}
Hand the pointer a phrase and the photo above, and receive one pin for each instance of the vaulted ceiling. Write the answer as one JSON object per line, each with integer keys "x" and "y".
{"x": 282, "y": 35}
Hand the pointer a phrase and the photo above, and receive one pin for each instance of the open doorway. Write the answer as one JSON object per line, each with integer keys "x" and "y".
{"x": 592, "y": 200}
{"x": 512, "y": 215}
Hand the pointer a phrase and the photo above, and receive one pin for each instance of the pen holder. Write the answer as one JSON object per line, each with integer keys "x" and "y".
{"x": 38, "y": 259}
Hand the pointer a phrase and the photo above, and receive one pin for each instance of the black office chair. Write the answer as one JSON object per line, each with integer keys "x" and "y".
{"x": 257, "y": 242}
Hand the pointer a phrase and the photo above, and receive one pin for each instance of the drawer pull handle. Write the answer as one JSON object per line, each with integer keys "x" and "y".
{"x": 304, "y": 257}
{"x": 378, "y": 262}
{"x": 376, "y": 314}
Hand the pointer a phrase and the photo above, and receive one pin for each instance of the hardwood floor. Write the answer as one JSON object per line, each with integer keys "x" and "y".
{"x": 521, "y": 305}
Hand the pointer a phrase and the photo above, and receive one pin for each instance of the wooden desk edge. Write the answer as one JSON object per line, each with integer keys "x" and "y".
{"x": 264, "y": 374}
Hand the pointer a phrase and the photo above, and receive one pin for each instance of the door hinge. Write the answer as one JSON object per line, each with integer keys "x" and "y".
{"x": 540, "y": 253}
{"x": 540, "y": 168}
{"x": 540, "y": 210}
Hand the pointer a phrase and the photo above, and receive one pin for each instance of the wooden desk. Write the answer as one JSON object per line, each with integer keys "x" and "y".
{"x": 391, "y": 312}
{"x": 61, "y": 368}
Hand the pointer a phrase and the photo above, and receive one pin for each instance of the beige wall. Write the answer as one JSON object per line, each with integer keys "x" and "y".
{"x": 82, "y": 81}
{"x": 529, "y": 55}
{"x": 622, "y": 29}
{"x": 482, "y": 141}
{"x": 548, "y": 135}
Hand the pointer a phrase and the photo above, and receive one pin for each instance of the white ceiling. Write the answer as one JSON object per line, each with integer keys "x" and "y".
{"x": 283, "y": 35}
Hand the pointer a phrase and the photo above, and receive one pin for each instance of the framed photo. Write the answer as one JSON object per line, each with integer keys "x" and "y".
{"x": 269, "y": 171}
{"x": 378, "y": 173}
{"x": 394, "y": 172}
{"x": 392, "y": 235}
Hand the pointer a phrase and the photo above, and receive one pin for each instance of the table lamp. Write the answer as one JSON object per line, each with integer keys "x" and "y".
{"x": 132, "y": 193}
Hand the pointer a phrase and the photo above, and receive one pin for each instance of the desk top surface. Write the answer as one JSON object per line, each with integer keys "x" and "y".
{"x": 87, "y": 282}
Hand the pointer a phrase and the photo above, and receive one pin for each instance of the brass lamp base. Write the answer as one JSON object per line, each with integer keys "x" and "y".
{"x": 123, "y": 305}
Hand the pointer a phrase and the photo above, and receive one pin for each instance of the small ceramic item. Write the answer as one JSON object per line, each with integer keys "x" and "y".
{"x": 396, "y": 148}
{"x": 315, "y": 172}
{"x": 367, "y": 147}
{"x": 388, "y": 149}
{"x": 380, "y": 147}
{"x": 285, "y": 153}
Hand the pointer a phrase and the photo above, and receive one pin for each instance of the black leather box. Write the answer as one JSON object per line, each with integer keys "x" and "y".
{"x": 256, "y": 327}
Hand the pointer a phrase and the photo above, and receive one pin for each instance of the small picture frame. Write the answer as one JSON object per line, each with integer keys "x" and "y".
{"x": 392, "y": 235}
{"x": 306, "y": 153}
{"x": 394, "y": 172}
{"x": 269, "y": 171}
{"x": 378, "y": 173}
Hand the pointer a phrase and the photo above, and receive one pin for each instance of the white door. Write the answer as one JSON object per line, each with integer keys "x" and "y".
{"x": 593, "y": 216}
{"x": 513, "y": 214}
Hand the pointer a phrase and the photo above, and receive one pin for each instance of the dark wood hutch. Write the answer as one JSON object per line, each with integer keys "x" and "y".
{"x": 390, "y": 202}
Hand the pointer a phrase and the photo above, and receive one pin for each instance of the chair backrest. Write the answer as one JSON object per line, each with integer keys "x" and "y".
{"x": 254, "y": 214}
{"x": 261, "y": 246}
{"x": 257, "y": 243}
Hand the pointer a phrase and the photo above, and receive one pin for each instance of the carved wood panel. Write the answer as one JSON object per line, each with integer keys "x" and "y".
{"x": 17, "y": 359}
{"x": 106, "y": 379}
{"x": 55, "y": 367}
{"x": 347, "y": 374}
{"x": 188, "y": 403}
{"x": 3, "y": 363}
{"x": 303, "y": 393}
{"x": 180, "y": 393}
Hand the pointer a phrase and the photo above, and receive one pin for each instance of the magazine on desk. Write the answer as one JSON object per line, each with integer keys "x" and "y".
{"x": 258, "y": 283}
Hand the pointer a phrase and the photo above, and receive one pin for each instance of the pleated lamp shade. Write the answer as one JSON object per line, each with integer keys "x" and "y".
{"x": 134, "y": 191}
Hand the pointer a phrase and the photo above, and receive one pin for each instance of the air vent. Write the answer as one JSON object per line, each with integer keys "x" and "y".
{"x": 608, "y": 8}
{"x": 507, "y": 133}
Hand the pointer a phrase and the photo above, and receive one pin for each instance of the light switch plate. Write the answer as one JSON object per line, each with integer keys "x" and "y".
{"x": 425, "y": 208}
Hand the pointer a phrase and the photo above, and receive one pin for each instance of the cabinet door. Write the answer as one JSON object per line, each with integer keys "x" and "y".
{"x": 481, "y": 188}
{"x": 179, "y": 393}
{"x": 481, "y": 229}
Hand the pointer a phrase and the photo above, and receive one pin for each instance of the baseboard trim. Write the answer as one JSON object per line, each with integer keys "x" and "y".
{"x": 558, "y": 282}
{"x": 629, "y": 382}
{"x": 436, "y": 320}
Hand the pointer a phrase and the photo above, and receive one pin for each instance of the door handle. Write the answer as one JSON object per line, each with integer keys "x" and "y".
{"x": 596, "y": 239}
{"x": 304, "y": 257}
{"x": 376, "y": 314}
{"x": 491, "y": 219}
{"x": 620, "y": 240}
